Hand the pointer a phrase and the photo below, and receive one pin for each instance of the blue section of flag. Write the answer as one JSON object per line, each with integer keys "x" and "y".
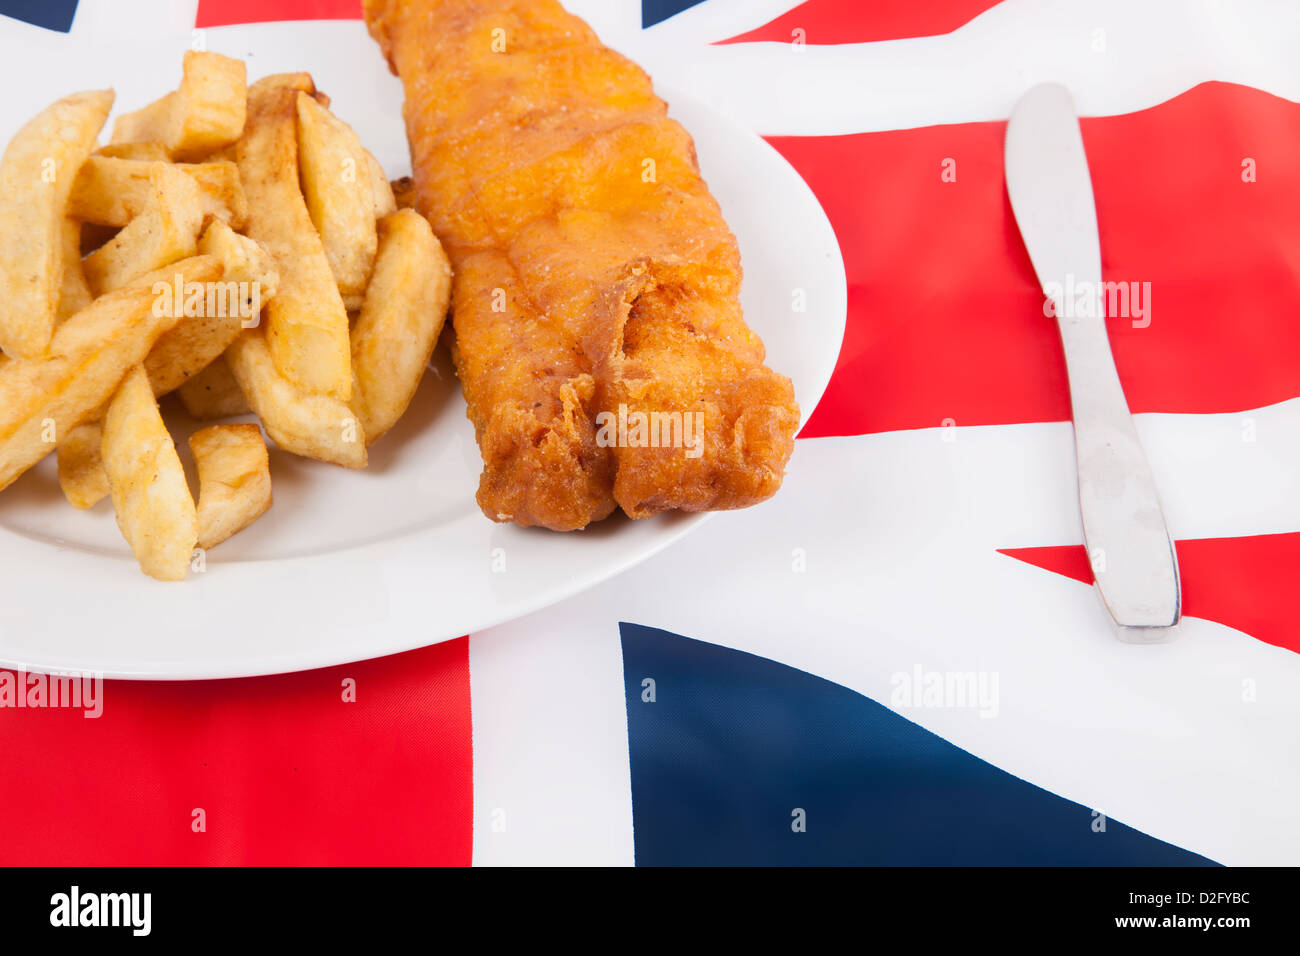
{"x": 734, "y": 747}
{"x": 655, "y": 11}
{"x": 50, "y": 14}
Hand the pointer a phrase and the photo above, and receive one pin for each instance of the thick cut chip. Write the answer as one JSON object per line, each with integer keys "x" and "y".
{"x": 306, "y": 323}
{"x": 385, "y": 200}
{"x": 203, "y": 115}
{"x": 312, "y": 425}
{"x": 166, "y": 231}
{"x": 42, "y": 400}
{"x": 213, "y": 393}
{"x": 81, "y": 469}
{"x": 234, "y": 480}
{"x": 226, "y": 307}
{"x": 338, "y": 186}
{"x": 153, "y": 152}
{"x": 244, "y": 259}
{"x": 74, "y": 293}
{"x": 36, "y": 175}
{"x": 110, "y": 191}
{"x": 151, "y": 499}
{"x": 403, "y": 313}
{"x": 194, "y": 344}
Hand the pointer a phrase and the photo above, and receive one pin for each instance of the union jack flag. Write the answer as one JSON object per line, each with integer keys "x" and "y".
{"x": 900, "y": 659}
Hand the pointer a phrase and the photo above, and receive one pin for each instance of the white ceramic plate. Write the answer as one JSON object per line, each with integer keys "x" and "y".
{"x": 353, "y": 565}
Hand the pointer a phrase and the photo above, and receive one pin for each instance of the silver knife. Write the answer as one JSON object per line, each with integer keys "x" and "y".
{"x": 1124, "y": 529}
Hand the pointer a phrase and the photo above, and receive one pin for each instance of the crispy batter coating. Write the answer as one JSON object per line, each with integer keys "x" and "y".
{"x": 596, "y": 282}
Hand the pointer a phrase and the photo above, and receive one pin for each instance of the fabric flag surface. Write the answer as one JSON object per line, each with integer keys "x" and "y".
{"x": 900, "y": 659}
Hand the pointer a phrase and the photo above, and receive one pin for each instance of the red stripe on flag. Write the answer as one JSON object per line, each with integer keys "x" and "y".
{"x": 284, "y": 770}
{"x": 945, "y": 314}
{"x": 1244, "y": 583}
{"x": 220, "y": 13}
{"x": 852, "y": 21}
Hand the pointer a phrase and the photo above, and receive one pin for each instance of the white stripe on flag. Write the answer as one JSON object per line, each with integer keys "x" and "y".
{"x": 551, "y": 778}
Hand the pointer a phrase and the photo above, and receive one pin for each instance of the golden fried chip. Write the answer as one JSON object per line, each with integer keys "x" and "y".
{"x": 203, "y": 115}
{"x": 151, "y": 499}
{"x": 306, "y": 324}
{"x": 152, "y": 152}
{"x": 245, "y": 259}
{"x": 74, "y": 292}
{"x": 404, "y": 310}
{"x": 189, "y": 348}
{"x": 213, "y": 393}
{"x": 36, "y": 174}
{"x": 304, "y": 423}
{"x": 41, "y": 400}
{"x": 385, "y": 202}
{"x": 111, "y": 191}
{"x": 167, "y": 230}
{"x": 234, "y": 480}
{"x": 337, "y": 186}
{"x": 234, "y": 303}
{"x": 81, "y": 468}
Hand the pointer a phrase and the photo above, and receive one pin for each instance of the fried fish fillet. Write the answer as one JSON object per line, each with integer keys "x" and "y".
{"x": 599, "y": 336}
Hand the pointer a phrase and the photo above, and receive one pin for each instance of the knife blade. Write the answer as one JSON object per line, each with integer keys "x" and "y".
{"x": 1124, "y": 529}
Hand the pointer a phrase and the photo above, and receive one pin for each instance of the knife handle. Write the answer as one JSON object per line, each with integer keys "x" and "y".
{"x": 1124, "y": 529}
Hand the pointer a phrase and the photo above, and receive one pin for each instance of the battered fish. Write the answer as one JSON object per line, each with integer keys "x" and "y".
{"x": 599, "y": 336}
